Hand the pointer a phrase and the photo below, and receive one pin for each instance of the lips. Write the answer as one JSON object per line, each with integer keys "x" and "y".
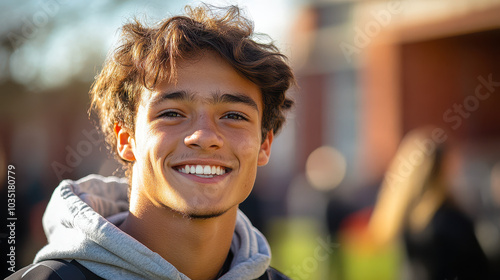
{"x": 204, "y": 171}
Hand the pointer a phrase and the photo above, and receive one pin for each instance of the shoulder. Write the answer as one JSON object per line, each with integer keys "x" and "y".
{"x": 273, "y": 274}
{"x": 54, "y": 270}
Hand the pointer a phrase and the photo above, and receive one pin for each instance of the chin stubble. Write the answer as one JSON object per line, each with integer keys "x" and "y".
{"x": 199, "y": 216}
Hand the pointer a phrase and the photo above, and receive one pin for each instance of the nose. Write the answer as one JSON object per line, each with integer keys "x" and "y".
{"x": 205, "y": 136}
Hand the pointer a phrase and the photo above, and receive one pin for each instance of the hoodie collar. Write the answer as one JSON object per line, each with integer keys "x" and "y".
{"x": 80, "y": 223}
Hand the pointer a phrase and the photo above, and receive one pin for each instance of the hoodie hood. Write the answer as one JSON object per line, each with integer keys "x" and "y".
{"x": 80, "y": 223}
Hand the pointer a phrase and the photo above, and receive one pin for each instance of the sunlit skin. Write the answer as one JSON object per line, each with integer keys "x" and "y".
{"x": 211, "y": 116}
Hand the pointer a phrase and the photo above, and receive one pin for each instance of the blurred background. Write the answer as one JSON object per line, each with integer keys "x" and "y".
{"x": 388, "y": 167}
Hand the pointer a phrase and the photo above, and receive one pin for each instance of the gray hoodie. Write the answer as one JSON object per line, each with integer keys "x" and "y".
{"x": 80, "y": 223}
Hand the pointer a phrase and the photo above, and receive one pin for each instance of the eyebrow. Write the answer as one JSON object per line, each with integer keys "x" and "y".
{"x": 217, "y": 98}
{"x": 176, "y": 95}
{"x": 234, "y": 98}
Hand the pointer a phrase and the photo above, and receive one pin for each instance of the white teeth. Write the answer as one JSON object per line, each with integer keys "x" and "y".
{"x": 199, "y": 169}
{"x": 207, "y": 170}
{"x": 203, "y": 170}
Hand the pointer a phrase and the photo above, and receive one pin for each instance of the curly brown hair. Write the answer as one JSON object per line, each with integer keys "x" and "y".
{"x": 149, "y": 55}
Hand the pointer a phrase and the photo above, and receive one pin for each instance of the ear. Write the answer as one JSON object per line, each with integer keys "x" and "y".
{"x": 265, "y": 149}
{"x": 124, "y": 143}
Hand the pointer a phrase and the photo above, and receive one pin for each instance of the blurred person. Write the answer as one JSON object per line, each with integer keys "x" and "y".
{"x": 416, "y": 205}
{"x": 489, "y": 229}
{"x": 190, "y": 106}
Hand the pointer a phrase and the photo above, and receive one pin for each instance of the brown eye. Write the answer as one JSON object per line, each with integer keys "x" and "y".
{"x": 170, "y": 114}
{"x": 235, "y": 116}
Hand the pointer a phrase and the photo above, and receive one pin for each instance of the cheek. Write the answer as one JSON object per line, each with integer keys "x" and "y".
{"x": 150, "y": 151}
{"x": 248, "y": 146}
{"x": 152, "y": 141}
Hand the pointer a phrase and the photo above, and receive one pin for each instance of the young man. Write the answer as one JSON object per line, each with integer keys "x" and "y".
{"x": 191, "y": 107}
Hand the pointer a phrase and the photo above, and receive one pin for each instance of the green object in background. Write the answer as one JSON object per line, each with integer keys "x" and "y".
{"x": 303, "y": 250}
{"x": 300, "y": 248}
{"x": 369, "y": 264}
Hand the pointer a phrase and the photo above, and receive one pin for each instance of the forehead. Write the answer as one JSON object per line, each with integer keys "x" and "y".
{"x": 206, "y": 77}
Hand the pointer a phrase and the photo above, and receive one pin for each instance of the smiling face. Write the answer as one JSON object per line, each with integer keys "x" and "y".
{"x": 197, "y": 142}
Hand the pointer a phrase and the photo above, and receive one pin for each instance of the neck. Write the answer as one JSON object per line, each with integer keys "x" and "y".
{"x": 196, "y": 247}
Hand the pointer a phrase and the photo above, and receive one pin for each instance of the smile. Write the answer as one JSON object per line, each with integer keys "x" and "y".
{"x": 204, "y": 171}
